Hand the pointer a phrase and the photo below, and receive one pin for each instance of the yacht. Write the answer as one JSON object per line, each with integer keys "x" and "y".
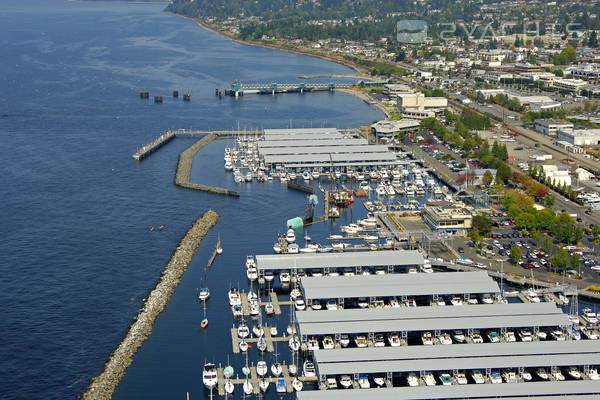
{"x": 252, "y": 274}
{"x": 346, "y": 381}
{"x": 242, "y": 330}
{"x": 290, "y": 237}
{"x": 261, "y": 368}
{"x": 589, "y": 316}
{"x": 344, "y": 340}
{"x": 309, "y": 369}
{"x": 427, "y": 338}
{"x": 412, "y": 380}
{"x": 363, "y": 382}
{"x": 234, "y": 297}
{"x": 328, "y": 342}
{"x": 209, "y": 375}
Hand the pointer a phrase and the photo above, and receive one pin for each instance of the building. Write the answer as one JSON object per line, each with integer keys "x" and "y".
{"x": 551, "y": 127}
{"x": 388, "y": 129}
{"x": 521, "y": 68}
{"x": 476, "y": 175}
{"x": 571, "y": 85}
{"x": 542, "y": 106}
{"x": 558, "y": 177}
{"x": 414, "y": 104}
{"x": 569, "y": 147}
{"x": 393, "y": 90}
{"x": 586, "y": 71}
{"x": 583, "y": 174}
{"x": 580, "y": 137}
{"x": 453, "y": 218}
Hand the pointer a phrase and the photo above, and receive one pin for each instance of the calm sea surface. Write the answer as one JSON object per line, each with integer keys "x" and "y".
{"x": 77, "y": 255}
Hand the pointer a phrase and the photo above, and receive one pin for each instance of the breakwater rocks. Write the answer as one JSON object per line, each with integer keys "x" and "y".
{"x": 103, "y": 386}
{"x": 184, "y": 168}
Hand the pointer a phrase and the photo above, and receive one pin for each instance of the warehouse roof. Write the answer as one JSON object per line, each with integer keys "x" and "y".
{"x": 328, "y": 287}
{"x": 484, "y": 316}
{"x": 311, "y": 142}
{"x": 325, "y": 158}
{"x": 339, "y": 260}
{"x": 336, "y": 149}
{"x": 295, "y": 131}
{"x": 461, "y": 391}
{"x": 302, "y": 136}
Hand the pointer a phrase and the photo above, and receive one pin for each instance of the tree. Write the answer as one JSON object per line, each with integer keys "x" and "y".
{"x": 483, "y": 224}
{"x": 575, "y": 261}
{"x": 577, "y": 234}
{"x": 487, "y": 178}
{"x": 541, "y": 191}
{"x": 503, "y": 173}
{"x": 548, "y": 243}
{"x": 593, "y": 41}
{"x": 536, "y": 235}
{"x": 475, "y": 236}
{"x": 549, "y": 201}
{"x": 560, "y": 259}
{"x": 516, "y": 253}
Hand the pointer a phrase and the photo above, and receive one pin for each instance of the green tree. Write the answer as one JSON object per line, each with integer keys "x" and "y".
{"x": 593, "y": 41}
{"x": 549, "y": 201}
{"x": 483, "y": 224}
{"x": 577, "y": 234}
{"x": 475, "y": 236}
{"x": 560, "y": 259}
{"x": 487, "y": 178}
{"x": 536, "y": 235}
{"x": 503, "y": 173}
{"x": 516, "y": 253}
{"x": 575, "y": 261}
{"x": 548, "y": 245}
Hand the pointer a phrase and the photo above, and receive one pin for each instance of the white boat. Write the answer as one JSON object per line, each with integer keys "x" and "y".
{"x": 308, "y": 369}
{"x": 427, "y": 338}
{"x": 458, "y": 336}
{"x": 456, "y": 301}
{"x": 237, "y": 310}
{"x": 412, "y": 380}
{"x": 574, "y": 373}
{"x": 315, "y": 174}
{"x": 557, "y": 375}
{"x": 284, "y": 277}
{"x": 250, "y": 261}
{"x": 526, "y": 375}
{"x": 292, "y": 369}
{"x": 378, "y": 340}
{"x": 486, "y": 298}
{"x": 364, "y": 185}
{"x": 312, "y": 343}
{"x": 242, "y": 330}
{"x": 276, "y": 369}
{"x": 228, "y": 371}
{"x": 542, "y": 374}
{"x": 277, "y": 248}
{"x": 299, "y": 304}
{"x": 228, "y": 166}
{"x": 247, "y": 387}
{"x": 328, "y": 342}
{"x": 445, "y": 338}
{"x": 263, "y": 384}
{"x": 295, "y": 293}
{"x": 248, "y": 177}
{"x": 252, "y": 274}
{"x": 394, "y": 340}
{"x": 297, "y": 384}
{"x": 261, "y": 368}
{"x": 593, "y": 374}
{"x": 589, "y": 316}
{"x": 461, "y": 378}
{"x": 346, "y": 381}
{"x": 243, "y": 346}
{"x": 344, "y": 340}
{"x": 477, "y": 377}
{"x": 290, "y": 237}
{"x": 273, "y": 331}
{"x": 269, "y": 276}
{"x": 361, "y": 341}
{"x": 380, "y": 190}
{"x": 234, "y": 297}
{"x": 258, "y": 331}
{"x": 331, "y": 383}
{"x": 203, "y": 294}
{"x": 229, "y": 386}
{"x": 294, "y": 343}
{"x": 209, "y": 375}
{"x": 261, "y": 345}
{"x": 306, "y": 176}
{"x": 293, "y": 248}
{"x": 363, "y": 382}
{"x": 270, "y": 309}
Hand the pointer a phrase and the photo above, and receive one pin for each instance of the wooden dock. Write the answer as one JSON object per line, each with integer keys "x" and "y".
{"x": 255, "y": 379}
{"x": 269, "y": 340}
{"x": 214, "y": 253}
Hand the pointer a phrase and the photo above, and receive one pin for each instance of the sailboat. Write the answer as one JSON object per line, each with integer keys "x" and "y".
{"x": 247, "y": 386}
{"x": 263, "y": 384}
{"x": 204, "y": 322}
{"x": 219, "y": 249}
{"x": 229, "y": 386}
{"x": 276, "y": 368}
{"x": 228, "y": 370}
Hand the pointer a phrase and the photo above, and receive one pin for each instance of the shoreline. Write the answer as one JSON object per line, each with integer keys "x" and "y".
{"x": 363, "y": 96}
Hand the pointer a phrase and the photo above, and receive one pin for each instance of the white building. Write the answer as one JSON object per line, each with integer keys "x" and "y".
{"x": 586, "y": 71}
{"x": 558, "y": 177}
{"x": 551, "y": 127}
{"x": 388, "y": 129}
{"x": 392, "y": 90}
{"x": 581, "y": 137}
{"x": 583, "y": 174}
{"x": 572, "y": 85}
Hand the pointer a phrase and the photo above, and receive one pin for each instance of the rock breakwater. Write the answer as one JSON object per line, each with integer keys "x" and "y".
{"x": 103, "y": 386}
{"x": 184, "y": 168}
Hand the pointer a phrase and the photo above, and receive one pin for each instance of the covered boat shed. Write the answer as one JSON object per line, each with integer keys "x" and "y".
{"x": 397, "y": 285}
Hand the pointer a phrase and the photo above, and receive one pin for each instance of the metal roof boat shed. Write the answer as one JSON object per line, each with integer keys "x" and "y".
{"x": 515, "y": 391}
{"x": 482, "y": 356}
{"x": 301, "y": 136}
{"x": 339, "y": 149}
{"x": 293, "y": 262}
{"x": 311, "y": 159}
{"x": 399, "y": 285}
{"x": 483, "y": 316}
{"x": 304, "y": 131}
{"x": 309, "y": 142}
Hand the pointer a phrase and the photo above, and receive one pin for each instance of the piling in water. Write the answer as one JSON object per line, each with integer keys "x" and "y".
{"x": 184, "y": 168}
{"x": 175, "y": 93}
{"x": 158, "y": 99}
{"x": 103, "y": 386}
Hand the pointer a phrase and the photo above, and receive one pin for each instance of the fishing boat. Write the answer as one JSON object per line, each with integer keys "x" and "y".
{"x": 209, "y": 375}
{"x": 247, "y": 386}
{"x": 297, "y": 384}
{"x": 203, "y": 294}
{"x": 261, "y": 368}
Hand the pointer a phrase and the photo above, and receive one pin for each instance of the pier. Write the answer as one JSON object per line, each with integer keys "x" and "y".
{"x": 214, "y": 253}
{"x": 104, "y": 385}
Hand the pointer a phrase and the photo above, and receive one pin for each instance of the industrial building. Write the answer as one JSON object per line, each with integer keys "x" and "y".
{"x": 551, "y": 127}
{"x": 580, "y": 137}
{"x": 388, "y": 129}
{"x": 392, "y": 90}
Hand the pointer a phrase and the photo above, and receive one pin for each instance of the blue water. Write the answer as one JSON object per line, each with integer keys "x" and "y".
{"x": 77, "y": 256}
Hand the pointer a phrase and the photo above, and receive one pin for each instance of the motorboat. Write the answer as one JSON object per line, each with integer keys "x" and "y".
{"x": 252, "y": 274}
{"x": 308, "y": 369}
{"x": 394, "y": 340}
{"x": 427, "y": 338}
{"x": 331, "y": 304}
{"x": 557, "y": 375}
{"x": 486, "y": 298}
{"x": 228, "y": 166}
{"x": 380, "y": 190}
{"x": 411, "y": 303}
{"x": 263, "y": 384}
{"x": 292, "y": 369}
{"x": 574, "y": 373}
{"x": 378, "y": 340}
{"x": 541, "y": 335}
{"x": 237, "y": 310}
{"x": 247, "y": 386}
{"x": 290, "y": 237}
{"x": 284, "y": 277}
{"x": 250, "y": 261}
{"x": 458, "y": 336}
{"x": 331, "y": 383}
{"x": 209, "y": 375}
{"x": 269, "y": 308}
{"x": 532, "y": 296}
{"x": 280, "y": 385}
{"x": 509, "y": 376}
{"x": 295, "y": 293}
{"x": 269, "y": 276}
{"x": 476, "y": 336}
{"x": 412, "y": 380}
{"x": 344, "y": 340}
{"x": 589, "y": 333}
{"x": 593, "y": 374}
{"x": 526, "y": 375}
{"x": 294, "y": 343}
{"x": 242, "y": 330}
{"x": 379, "y": 380}
{"x": 328, "y": 342}
{"x": 363, "y": 382}
{"x": 461, "y": 378}
{"x": 306, "y": 176}
{"x": 495, "y": 376}
{"x": 493, "y": 336}
{"x": 558, "y": 334}
{"x": 277, "y": 248}
{"x": 261, "y": 368}
{"x": 589, "y": 316}
{"x": 258, "y": 330}
{"x": 446, "y": 379}
{"x": 525, "y": 335}
{"x": 293, "y": 248}
{"x": 509, "y": 336}
{"x": 203, "y": 294}
{"x": 273, "y": 331}
{"x": 477, "y": 377}
{"x": 299, "y": 304}
{"x": 312, "y": 343}
{"x": 361, "y": 341}
{"x": 297, "y": 384}
{"x": 429, "y": 379}
{"x": 345, "y": 381}
{"x": 234, "y": 297}
{"x": 248, "y": 176}
{"x": 542, "y": 374}
{"x": 228, "y": 372}
{"x": 394, "y": 303}
{"x": 456, "y": 301}
{"x": 364, "y": 185}
{"x": 316, "y": 174}
{"x": 276, "y": 369}
{"x": 445, "y": 338}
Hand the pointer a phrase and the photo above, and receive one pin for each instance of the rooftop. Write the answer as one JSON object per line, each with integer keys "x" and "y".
{"x": 295, "y": 131}
{"x": 336, "y": 149}
{"x": 339, "y": 260}
{"x": 311, "y": 142}
{"x": 328, "y": 287}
